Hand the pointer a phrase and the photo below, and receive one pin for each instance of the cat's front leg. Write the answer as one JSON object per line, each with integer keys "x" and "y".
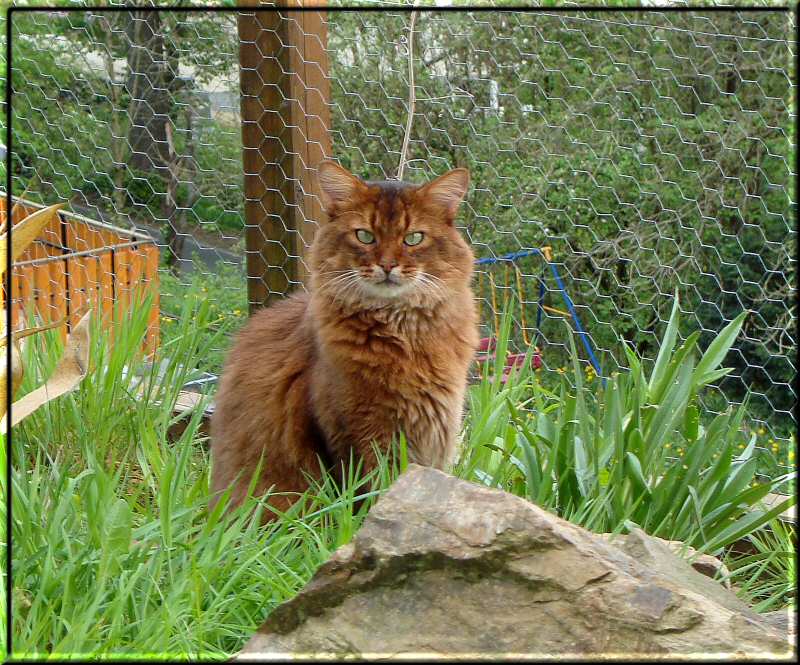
{"x": 432, "y": 434}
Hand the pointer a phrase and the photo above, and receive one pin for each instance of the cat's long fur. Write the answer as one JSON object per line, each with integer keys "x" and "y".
{"x": 318, "y": 374}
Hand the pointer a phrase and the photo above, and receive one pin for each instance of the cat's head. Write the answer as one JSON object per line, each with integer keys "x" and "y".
{"x": 389, "y": 242}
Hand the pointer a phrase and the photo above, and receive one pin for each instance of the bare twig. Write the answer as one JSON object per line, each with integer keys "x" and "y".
{"x": 412, "y": 98}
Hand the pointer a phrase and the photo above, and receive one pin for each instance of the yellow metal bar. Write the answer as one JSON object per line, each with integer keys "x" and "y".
{"x": 556, "y": 311}
{"x": 494, "y": 307}
{"x": 480, "y": 299}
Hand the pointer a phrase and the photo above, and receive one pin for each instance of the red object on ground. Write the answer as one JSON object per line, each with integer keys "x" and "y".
{"x": 488, "y": 344}
{"x": 514, "y": 359}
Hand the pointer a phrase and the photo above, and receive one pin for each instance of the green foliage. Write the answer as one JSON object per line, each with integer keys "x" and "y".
{"x": 630, "y": 451}
{"x": 604, "y": 148}
{"x": 73, "y": 123}
{"x": 224, "y": 293}
{"x": 767, "y": 578}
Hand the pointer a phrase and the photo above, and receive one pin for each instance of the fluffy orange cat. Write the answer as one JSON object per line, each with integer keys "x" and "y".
{"x": 382, "y": 343}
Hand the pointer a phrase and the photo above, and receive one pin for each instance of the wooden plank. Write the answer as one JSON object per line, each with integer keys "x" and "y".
{"x": 43, "y": 293}
{"x": 58, "y": 288}
{"x": 54, "y": 233}
{"x": 38, "y": 250}
{"x": 78, "y": 299}
{"x": 22, "y": 290}
{"x": 91, "y": 265}
{"x": 136, "y": 276}
{"x": 137, "y": 288}
{"x": 151, "y": 257}
{"x": 283, "y": 84}
{"x": 105, "y": 286}
{"x": 122, "y": 286}
{"x": 31, "y": 296}
{"x": 82, "y": 236}
{"x": 317, "y": 112}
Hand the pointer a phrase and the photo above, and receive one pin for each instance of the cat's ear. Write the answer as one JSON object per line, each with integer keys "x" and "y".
{"x": 336, "y": 185}
{"x": 447, "y": 191}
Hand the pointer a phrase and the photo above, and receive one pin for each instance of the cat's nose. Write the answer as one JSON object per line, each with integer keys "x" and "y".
{"x": 388, "y": 265}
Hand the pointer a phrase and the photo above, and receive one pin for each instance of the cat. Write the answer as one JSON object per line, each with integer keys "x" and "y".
{"x": 382, "y": 343}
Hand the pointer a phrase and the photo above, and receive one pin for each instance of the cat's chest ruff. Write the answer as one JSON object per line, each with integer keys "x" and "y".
{"x": 378, "y": 341}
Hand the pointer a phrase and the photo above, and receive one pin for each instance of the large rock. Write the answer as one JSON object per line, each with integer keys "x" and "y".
{"x": 708, "y": 565}
{"x": 443, "y": 568}
{"x": 784, "y": 620}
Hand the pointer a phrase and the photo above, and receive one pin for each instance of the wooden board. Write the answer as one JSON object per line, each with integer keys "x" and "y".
{"x": 81, "y": 236}
{"x": 135, "y": 273}
{"x": 150, "y": 279}
{"x": 285, "y": 134}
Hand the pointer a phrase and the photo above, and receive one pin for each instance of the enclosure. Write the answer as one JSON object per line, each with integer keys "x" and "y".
{"x": 77, "y": 264}
{"x": 617, "y": 158}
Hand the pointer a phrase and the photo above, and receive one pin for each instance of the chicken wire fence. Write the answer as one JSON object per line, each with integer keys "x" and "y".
{"x": 647, "y": 151}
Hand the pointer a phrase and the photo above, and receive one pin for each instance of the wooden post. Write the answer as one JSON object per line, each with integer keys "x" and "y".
{"x": 285, "y": 134}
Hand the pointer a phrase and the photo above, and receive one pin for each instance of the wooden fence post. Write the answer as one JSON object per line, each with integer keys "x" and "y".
{"x": 285, "y": 134}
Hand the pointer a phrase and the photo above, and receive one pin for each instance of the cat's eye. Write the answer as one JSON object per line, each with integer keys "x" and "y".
{"x": 365, "y": 236}
{"x": 414, "y": 238}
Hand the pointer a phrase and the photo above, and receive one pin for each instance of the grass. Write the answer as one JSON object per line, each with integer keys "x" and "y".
{"x": 226, "y": 293}
{"x": 115, "y": 552}
{"x": 767, "y": 578}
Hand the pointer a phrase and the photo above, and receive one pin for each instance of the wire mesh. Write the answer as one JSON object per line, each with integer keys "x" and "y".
{"x": 650, "y": 151}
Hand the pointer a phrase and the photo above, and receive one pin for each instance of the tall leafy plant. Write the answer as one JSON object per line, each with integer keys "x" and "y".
{"x": 634, "y": 449}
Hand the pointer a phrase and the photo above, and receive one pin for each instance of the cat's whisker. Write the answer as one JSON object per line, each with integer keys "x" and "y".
{"x": 434, "y": 278}
{"x": 340, "y": 285}
{"x": 334, "y": 281}
{"x": 431, "y": 284}
{"x": 331, "y": 272}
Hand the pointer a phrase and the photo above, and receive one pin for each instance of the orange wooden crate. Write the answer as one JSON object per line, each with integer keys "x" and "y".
{"x": 76, "y": 263}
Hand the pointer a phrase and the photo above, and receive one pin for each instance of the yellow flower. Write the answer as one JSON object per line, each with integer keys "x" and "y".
{"x": 791, "y": 455}
{"x": 762, "y": 431}
{"x": 560, "y": 370}
{"x": 667, "y": 445}
{"x": 741, "y": 446}
{"x": 236, "y": 312}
